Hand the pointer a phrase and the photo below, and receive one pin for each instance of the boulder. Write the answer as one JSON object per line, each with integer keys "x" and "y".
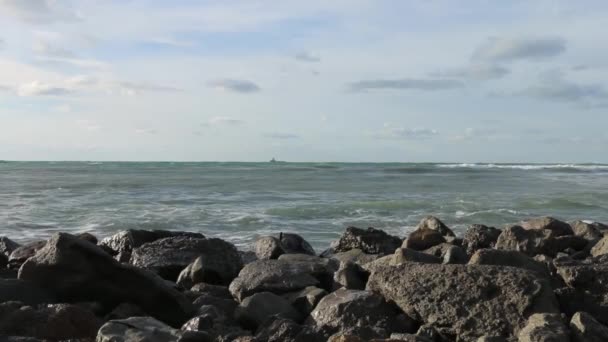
{"x": 355, "y": 255}
{"x": 25, "y": 292}
{"x": 7, "y": 246}
{"x": 220, "y": 261}
{"x": 509, "y": 258}
{"x": 587, "y": 286}
{"x": 448, "y": 253}
{"x": 591, "y": 231}
{"x": 537, "y": 241}
{"x": 409, "y": 255}
{"x": 286, "y": 330}
{"x": 75, "y": 270}
{"x": 193, "y": 274}
{"x": 88, "y": 237}
{"x": 475, "y": 300}
{"x": 585, "y": 328}
{"x": 122, "y": 244}
{"x": 553, "y": 226}
{"x": 542, "y": 327}
{"x": 370, "y": 241}
{"x": 423, "y": 238}
{"x": 295, "y": 244}
{"x": 214, "y": 290}
{"x": 52, "y": 322}
{"x": 224, "y": 305}
{"x": 124, "y": 311}
{"x": 350, "y": 276}
{"x": 254, "y": 310}
{"x": 22, "y": 253}
{"x": 479, "y": 236}
{"x": 305, "y": 300}
{"x": 600, "y": 248}
{"x": 431, "y": 222}
{"x": 361, "y": 313}
{"x": 268, "y": 247}
{"x": 137, "y": 329}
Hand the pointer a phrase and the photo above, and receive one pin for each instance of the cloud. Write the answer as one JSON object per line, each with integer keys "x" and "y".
{"x": 471, "y": 133}
{"x": 146, "y": 131}
{"x": 235, "y": 85}
{"x": 566, "y": 91}
{"x": 131, "y": 88}
{"x": 307, "y": 57}
{"x": 49, "y": 49}
{"x": 406, "y": 83}
{"x": 39, "y": 11}
{"x": 171, "y": 42}
{"x": 223, "y": 120}
{"x": 390, "y": 132}
{"x": 281, "y": 135}
{"x": 37, "y": 88}
{"x": 475, "y": 72}
{"x": 499, "y": 49}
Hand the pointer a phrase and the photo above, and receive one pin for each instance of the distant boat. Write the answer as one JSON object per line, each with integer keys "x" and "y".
{"x": 273, "y": 160}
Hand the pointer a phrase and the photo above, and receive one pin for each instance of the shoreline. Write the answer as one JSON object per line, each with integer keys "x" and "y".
{"x": 538, "y": 280}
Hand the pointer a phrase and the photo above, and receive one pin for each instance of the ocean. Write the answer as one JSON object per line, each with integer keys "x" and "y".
{"x": 241, "y": 201}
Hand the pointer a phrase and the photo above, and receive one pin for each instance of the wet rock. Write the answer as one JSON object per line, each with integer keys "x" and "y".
{"x": 254, "y": 310}
{"x": 591, "y": 231}
{"x": 295, "y": 244}
{"x": 422, "y": 239}
{"x": 508, "y": 258}
{"x": 585, "y": 328}
{"x": 214, "y": 290}
{"x": 475, "y": 300}
{"x": 479, "y": 236}
{"x": 24, "y": 291}
{"x": 122, "y": 244}
{"x": 137, "y": 329}
{"x": 361, "y": 313}
{"x": 7, "y": 246}
{"x": 600, "y": 248}
{"x": 22, "y": 253}
{"x": 555, "y": 227}
{"x": 544, "y": 328}
{"x": 220, "y": 261}
{"x": 431, "y": 222}
{"x": 53, "y": 322}
{"x": 350, "y": 276}
{"x": 75, "y": 270}
{"x": 305, "y": 300}
{"x": 370, "y": 241}
{"x": 355, "y": 255}
{"x": 268, "y": 247}
{"x": 409, "y": 255}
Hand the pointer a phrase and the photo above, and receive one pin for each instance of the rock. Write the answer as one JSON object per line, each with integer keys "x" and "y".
{"x": 305, "y": 300}
{"x": 600, "y": 248}
{"x": 475, "y": 300}
{"x": 52, "y": 322}
{"x": 214, "y": 290}
{"x": 137, "y": 329}
{"x": 124, "y": 311}
{"x": 88, "y": 237}
{"x": 254, "y": 310}
{"x": 295, "y": 244}
{"x": 455, "y": 255}
{"x": 201, "y": 322}
{"x": 585, "y": 328}
{"x": 408, "y": 338}
{"x": 361, "y": 313}
{"x": 479, "y": 236}
{"x": 24, "y": 291}
{"x": 7, "y": 246}
{"x": 431, "y": 222}
{"x": 75, "y": 270}
{"x": 591, "y": 231}
{"x": 20, "y": 254}
{"x": 220, "y": 261}
{"x": 123, "y": 243}
{"x": 587, "y": 286}
{"x": 350, "y": 276}
{"x": 285, "y": 330}
{"x": 509, "y": 258}
{"x": 409, "y": 255}
{"x": 370, "y": 241}
{"x": 544, "y": 327}
{"x": 223, "y": 305}
{"x": 422, "y": 239}
{"x": 537, "y": 241}
{"x": 268, "y": 247}
{"x": 355, "y": 255}
{"x": 555, "y": 227}
{"x": 248, "y": 257}
{"x": 192, "y": 274}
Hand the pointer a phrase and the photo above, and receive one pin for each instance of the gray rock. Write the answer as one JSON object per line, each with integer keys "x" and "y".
{"x": 475, "y": 300}
{"x": 431, "y": 222}
{"x": 479, "y": 236}
{"x": 220, "y": 261}
{"x": 537, "y": 241}
{"x": 600, "y": 248}
{"x": 423, "y": 238}
{"x": 137, "y": 329}
{"x": 22, "y": 253}
{"x": 7, "y": 246}
{"x": 361, "y": 313}
{"x": 591, "y": 231}
{"x": 193, "y": 274}
{"x": 409, "y": 255}
{"x": 214, "y": 290}
{"x": 587, "y": 286}
{"x": 554, "y": 226}
{"x": 75, "y": 270}
{"x": 268, "y": 247}
{"x": 544, "y": 327}
{"x": 295, "y": 244}
{"x": 224, "y": 305}
{"x": 370, "y": 241}
{"x": 409, "y": 338}
{"x": 305, "y": 300}
{"x": 122, "y": 243}
{"x": 350, "y": 276}
{"x": 124, "y": 311}
{"x": 286, "y": 330}
{"x": 509, "y": 258}
{"x": 455, "y": 255}
{"x": 355, "y": 255}
{"x": 255, "y": 310}
{"x": 585, "y": 328}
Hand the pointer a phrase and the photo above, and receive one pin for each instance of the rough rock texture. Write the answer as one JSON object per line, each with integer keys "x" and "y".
{"x": 193, "y": 274}
{"x": 455, "y": 255}
{"x": 75, "y": 270}
{"x": 224, "y": 305}
{"x": 479, "y": 236}
{"x": 585, "y": 328}
{"x": 431, "y": 222}
{"x": 370, "y": 241}
{"x": 350, "y": 276}
{"x": 167, "y": 257}
{"x": 268, "y": 247}
{"x": 7, "y": 246}
{"x": 508, "y": 258}
{"x": 600, "y": 248}
{"x": 285, "y": 330}
{"x": 465, "y": 300}
{"x": 537, "y": 241}
{"x": 53, "y": 322}
{"x": 359, "y": 313}
{"x": 423, "y": 238}
{"x": 410, "y": 255}
{"x": 544, "y": 328}
{"x": 295, "y": 244}
{"x": 355, "y": 255}
{"x": 22, "y": 253}
{"x": 24, "y": 291}
{"x": 214, "y": 290}
{"x": 254, "y": 310}
{"x": 137, "y": 329}
{"x": 587, "y": 286}
{"x": 122, "y": 244}
{"x": 591, "y": 231}
{"x": 305, "y": 300}
{"x": 554, "y": 226}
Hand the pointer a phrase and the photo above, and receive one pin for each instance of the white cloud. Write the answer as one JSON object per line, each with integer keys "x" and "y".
{"x": 307, "y": 57}
{"x": 39, "y": 11}
{"x": 476, "y": 72}
{"x": 223, "y": 120}
{"x": 501, "y": 49}
{"x": 405, "y": 84}
{"x": 37, "y": 88}
{"x": 235, "y": 85}
{"x": 391, "y": 132}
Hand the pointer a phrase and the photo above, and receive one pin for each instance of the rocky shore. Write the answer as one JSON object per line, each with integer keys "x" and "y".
{"x": 539, "y": 280}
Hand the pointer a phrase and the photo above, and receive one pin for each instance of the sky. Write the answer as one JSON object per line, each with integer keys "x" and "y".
{"x": 316, "y": 80}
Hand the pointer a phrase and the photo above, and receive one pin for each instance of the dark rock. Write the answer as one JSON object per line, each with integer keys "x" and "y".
{"x": 88, "y": 237}
{"x": 201, "y": 322}
{"x": 585, "y": 328}
{"x": 479, "y": 236}
{"x": 554, "y": 226}
{"x": 431, "y": 222}
{"x": 542, "y": 327}
{"x": 422, "y": 239}
{"x": 75, "y": 270}
{"x": 137, "y": 329}
{"x": 591, "y": 231}
{"x": 305, "y": 300}
{"x": 124, "y": 311}
{"x": 409, "y": 255}
{"x": 7, "y": 246}
{"x": 370, "y": 241}
{"x": 220, "y": 260}
{"x": 25, "y": 292}
{"x": 224, "y": 305}
{"x": 429, "y": 332}
{"x": 3, "y": 261}
{"x": 122, "y": 244}
{"x": 600, "y": 248}
{"x": 350, "y": 276}
{"x": 254, "y": 310}
{"x": 361, "y": 313}
{"x": 192, "y": 274}
{"x": 53, "y": 322}
{"x": 286, "y": 330}
{"x": 355, "y": 255}
{"x": 474, "y": 300}
{"x": 214, "y": 290}
{"x": 455, "y": 255}
{"x": 509, "y": 258}
{"x": 22, "y": 253}
{"x": 408, "y": 338}
{"x": 268, "y": 247}
{"x": 295, "y": 244}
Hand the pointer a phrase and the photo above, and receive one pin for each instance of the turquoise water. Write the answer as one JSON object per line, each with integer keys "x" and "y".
{"x": 239, "y": 201}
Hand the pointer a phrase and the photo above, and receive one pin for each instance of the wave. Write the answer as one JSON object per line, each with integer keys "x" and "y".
{"x": 557, "y": 167}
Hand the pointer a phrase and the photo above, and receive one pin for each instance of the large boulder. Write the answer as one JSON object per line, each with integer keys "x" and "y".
{"x": 509, "y": 258}
{"x": 370, "y": 241}
{"x": 7, "y": 246}
{"x": 26, "y": 292}
{"x": 268, "y": 247}
{"x": 431, "y": 222}
{"x": 22, "y": 253}
{"x": 600, "y": 248}
{"x": 409, "y": 255}
{"x": 542, "y": 327}
{"x": 538, "y": 241}
{"x": 448, "y": 253}
{"x": 423, "y": 238}
{"x": 121, "y": 244}
{"x": 479, "y": 236}
{"x": 305, "y": 300}
{"x": 350, "y": 276}
{"x": 585, "y": 328}
{"x": 220, "y": 260}
{"x": 137, "y": 329}
{"x": 355, "y": 255}
{"x": 286, "y": 330}
{"x": 553, "y": 226}
{"x": 361, "y": 313}
{"x": 591, "y": 231}
{"x": 295, "y": 244}
{"x": 254, "y": 310}
{"x": 75, "y": 270}
{"x": 468, "y": 301}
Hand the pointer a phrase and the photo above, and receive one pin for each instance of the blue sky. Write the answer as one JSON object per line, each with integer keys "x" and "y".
{"x": 356, "y": 80}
